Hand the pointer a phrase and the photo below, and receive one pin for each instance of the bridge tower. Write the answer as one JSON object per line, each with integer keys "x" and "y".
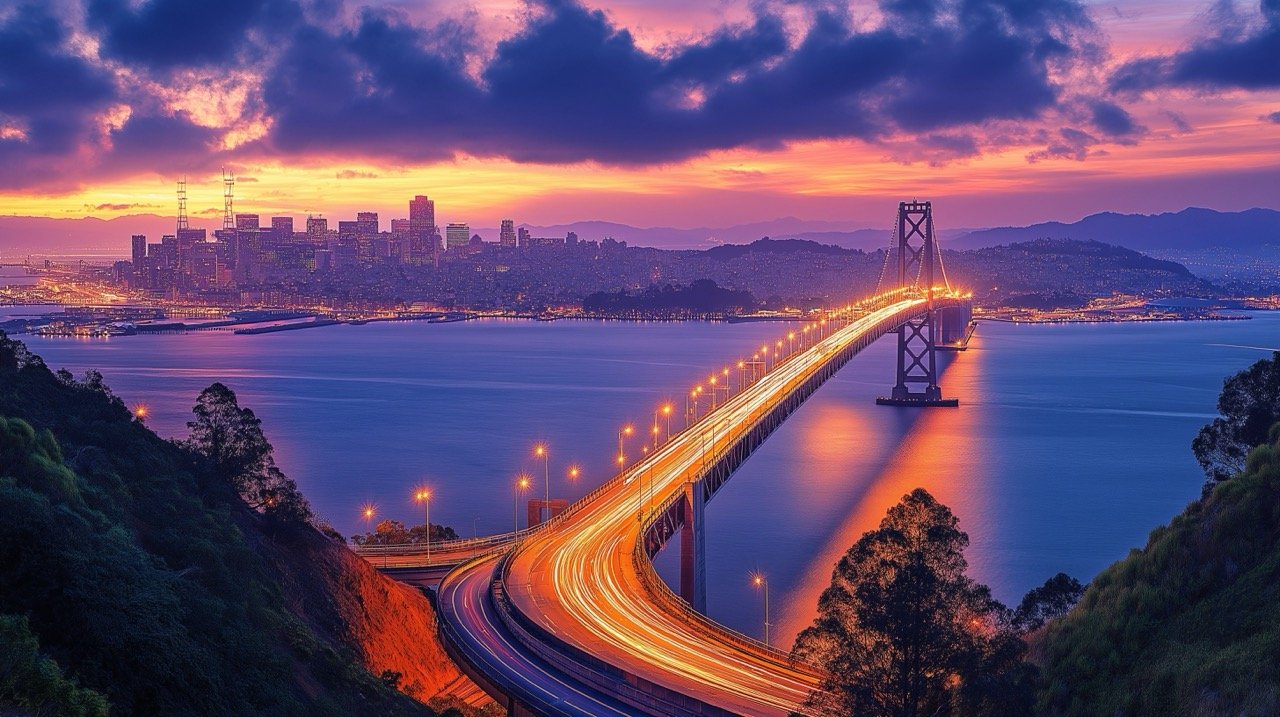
{"x": 917, "y": 254}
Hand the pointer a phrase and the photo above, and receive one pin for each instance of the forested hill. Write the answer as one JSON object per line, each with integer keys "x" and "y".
{"x": 134, "y": 582}
{"x": 1190, "y": 625}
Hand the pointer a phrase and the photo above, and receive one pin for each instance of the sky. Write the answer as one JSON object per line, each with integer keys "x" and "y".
{"x": 666, "y": 113}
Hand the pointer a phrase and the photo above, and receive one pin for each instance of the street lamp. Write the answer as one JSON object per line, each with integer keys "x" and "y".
{"x": 368, "y": 511}
{"x": 666, "y": 411}
{"x": 574, "y": 472}
{"x": 759, "y": 580}
{"x": 423, "y": 496}
{"x": 542, "y": 452}
{"x": 522, "y": 484}
{"x": 622, "y": 456}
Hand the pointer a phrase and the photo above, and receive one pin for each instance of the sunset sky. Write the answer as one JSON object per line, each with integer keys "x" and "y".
{"x": 669, "y": 113}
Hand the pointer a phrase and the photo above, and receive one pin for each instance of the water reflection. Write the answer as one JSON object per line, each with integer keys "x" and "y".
{"x": 939, "y": 449}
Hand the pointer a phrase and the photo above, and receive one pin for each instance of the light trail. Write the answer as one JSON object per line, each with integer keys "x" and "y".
{"x": 579, "y": 579}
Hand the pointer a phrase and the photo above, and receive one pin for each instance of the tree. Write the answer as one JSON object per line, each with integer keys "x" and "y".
{"x": 394, "y": 532}
{"x": 1050, "y": 601}
{"x": 903, "y": 632}
{"x": 231, "y": 438}
{"x": 1249, "y": 404}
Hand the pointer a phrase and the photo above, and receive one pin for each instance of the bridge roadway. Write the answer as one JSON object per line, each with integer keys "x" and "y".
{"x": 581, "y": 597}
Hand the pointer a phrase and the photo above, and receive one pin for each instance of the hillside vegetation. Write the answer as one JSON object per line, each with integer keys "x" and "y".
{"x": 1190, "y": 625}
{"x": 132, "y": 580}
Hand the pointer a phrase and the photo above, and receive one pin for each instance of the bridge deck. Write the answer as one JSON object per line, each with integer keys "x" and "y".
{"x": 581, "y": 582}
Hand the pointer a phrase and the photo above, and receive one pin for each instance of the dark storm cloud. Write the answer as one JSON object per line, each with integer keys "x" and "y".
{"x": 1241, "y": 54}
{"x": 172, "y": 34}
{"x": 569, "y": 85}
{"x": 49, "y": 97}
{"x": 572, "y": 86}
{"x": 1274, "y": 117}
{"x": 1113, "y": 120}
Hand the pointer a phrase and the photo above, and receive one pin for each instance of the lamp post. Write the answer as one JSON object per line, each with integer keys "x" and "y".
{"x": 622, "y": 456}
{"x": 666, "y": 411}
{"x": 760, "y": 581}
{"x": 542, "y": 452}
{"x": 522, "y": 484}
{"x": 368, "y": 511}
{"x": 423, "y": 496}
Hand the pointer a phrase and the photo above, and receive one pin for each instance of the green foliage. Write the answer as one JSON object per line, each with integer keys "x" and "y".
{"x": 140, "y": 575}
{"x": 394, "y": 532}
{"x": 34, "y": 683}
{"x": 231, "y": 438}
{"x": 1249, "y": 404}
{"x": 1049, "y": 601}
{"x": 903, "y": 632}
{"x": 701, "y": 297}
{"x": 1187, "y": 626}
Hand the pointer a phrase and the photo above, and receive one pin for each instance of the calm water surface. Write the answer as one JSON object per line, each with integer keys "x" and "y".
{"x": 1071, "y": 444}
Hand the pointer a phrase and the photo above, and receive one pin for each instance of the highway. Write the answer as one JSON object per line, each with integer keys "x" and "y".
{"x": 585, "y": 587}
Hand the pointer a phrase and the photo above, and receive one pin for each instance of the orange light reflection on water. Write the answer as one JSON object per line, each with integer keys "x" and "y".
{"x": 943, "y": 452}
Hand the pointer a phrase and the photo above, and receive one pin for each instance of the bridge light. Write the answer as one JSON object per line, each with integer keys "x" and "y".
{"x": 574, "y": 472}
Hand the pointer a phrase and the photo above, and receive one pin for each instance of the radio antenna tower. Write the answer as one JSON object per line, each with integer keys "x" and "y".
{"x": 182, "y": 203}
{"x": 228, "y": 190}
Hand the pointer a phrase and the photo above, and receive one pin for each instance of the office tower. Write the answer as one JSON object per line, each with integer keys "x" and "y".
{"x": 283, "y": 228}
{"x": 422, "y": 215}
{"x": 247, "y": 221}
{"x": 456, "y": 236}
{"x": 523, "y": 237}
{"x": 422, "y": 231}
{"x": 571, "y": 239}
{"x": 368, "y": 222}
{"x": 317, "y": 228}
{"x": 507, "y": 236}
{"x": 139, "y": 248}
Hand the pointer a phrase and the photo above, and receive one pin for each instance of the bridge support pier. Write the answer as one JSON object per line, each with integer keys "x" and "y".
{"x": 693, "y": 550}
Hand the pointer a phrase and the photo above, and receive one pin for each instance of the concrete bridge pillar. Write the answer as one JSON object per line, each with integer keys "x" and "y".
{"x": 693, "y": 551}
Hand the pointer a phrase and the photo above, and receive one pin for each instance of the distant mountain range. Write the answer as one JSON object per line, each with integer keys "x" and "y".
{"x": 1189, "y": 229}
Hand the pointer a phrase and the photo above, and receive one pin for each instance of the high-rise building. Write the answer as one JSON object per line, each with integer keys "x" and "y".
{"x": 368, "y": 222}
{"x": 507, "y": 235}
{"x": 456, "y": 236}
{"x": 422, "y": 215}
{"x": 523, "y": 237}
{"x": 423, "y": 245}
{"x": 317, "y": 228}
{"x": 246, "y": 221}
{"x": 283, "y": 228}
{"x": 139, "y": 248}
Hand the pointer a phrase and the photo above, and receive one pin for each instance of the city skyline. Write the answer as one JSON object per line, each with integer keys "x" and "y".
{"x": 1153, "y": 106}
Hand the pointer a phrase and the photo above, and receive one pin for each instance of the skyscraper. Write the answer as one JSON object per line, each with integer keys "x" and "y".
{"x": 507, "y": 236}
{"x": 422, "y": 215}
{"x": 283, "y": 228}
{"x": 368, "y": 222}
{"x": 456, "y": 236}
{"x": 139, "y": 248}
{"x": 317, "y": 228}
{"x": 247, "y": 221}
{"x": 422, "y": 230}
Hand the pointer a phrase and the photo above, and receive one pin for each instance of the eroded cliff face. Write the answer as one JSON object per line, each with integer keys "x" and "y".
{"x": 390, "y": 627}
